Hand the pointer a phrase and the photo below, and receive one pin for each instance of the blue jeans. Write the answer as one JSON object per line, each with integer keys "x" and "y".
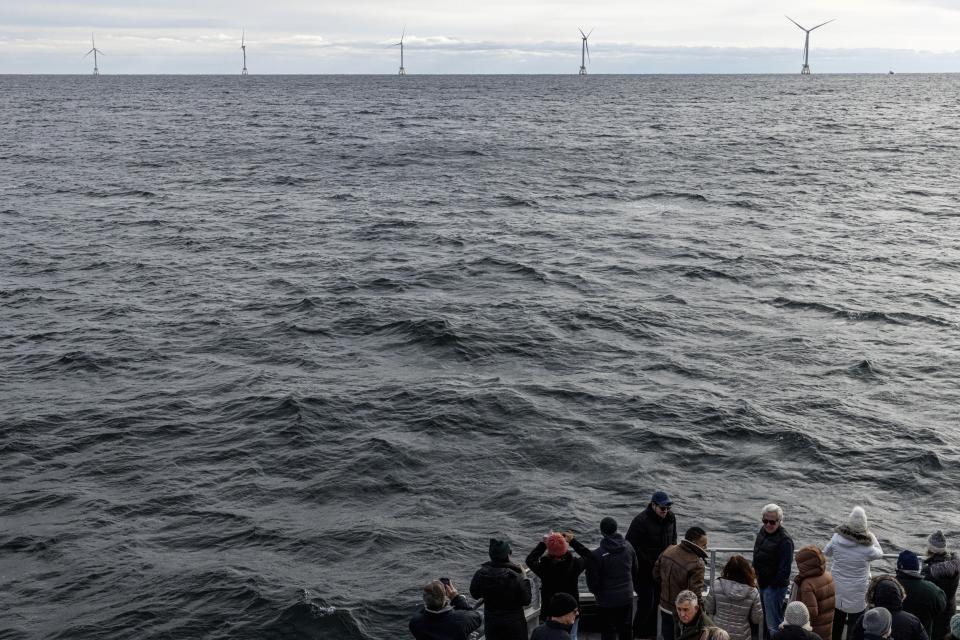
{"x": 573, "y": 629}
{"x": 772, "y": 600}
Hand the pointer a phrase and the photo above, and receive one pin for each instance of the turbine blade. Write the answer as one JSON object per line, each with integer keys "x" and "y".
{"x": 793, "y": 21}
{"x": 591, "y": 32}
{"x": 581, "y": 32}
{"x": 820, "y": 25}
{"x": 87, "y": 53}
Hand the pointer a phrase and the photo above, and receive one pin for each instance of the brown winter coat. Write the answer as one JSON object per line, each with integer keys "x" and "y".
{"x": 679, "y": 567}
{"x": 813, "y": 586}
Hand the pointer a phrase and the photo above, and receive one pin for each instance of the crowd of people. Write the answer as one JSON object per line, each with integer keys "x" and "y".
{"x": 647, "y": 576}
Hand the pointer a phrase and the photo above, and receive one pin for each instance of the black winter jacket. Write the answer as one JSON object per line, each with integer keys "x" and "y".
{"x": 772, "y": 558}
{"x": 943, "y": 570}
{"x": 454, "y": 622}
{"x": 505, "y": 593}
{"x": 612, "y": 570}
{"x": 649, "y": 534}
{"x": 794, "y": 632}
{"x": 885, "y": 591}
{"x": 557, "y": 575}
{"x": 551, "y": 630}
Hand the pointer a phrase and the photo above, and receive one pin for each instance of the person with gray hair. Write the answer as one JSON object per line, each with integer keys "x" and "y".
{"x": 446, "y": 614}
{"x": 691, "y": 622}
{"x": 942, "y": 568}
{"x": 772, "y": 559}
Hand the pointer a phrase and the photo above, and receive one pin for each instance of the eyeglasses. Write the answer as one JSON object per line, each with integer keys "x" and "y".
{"x": 765, "y": 521}
{"x": 663, "y": 507}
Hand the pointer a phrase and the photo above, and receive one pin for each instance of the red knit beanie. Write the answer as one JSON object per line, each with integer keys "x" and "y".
{"x": 556, "y": 545}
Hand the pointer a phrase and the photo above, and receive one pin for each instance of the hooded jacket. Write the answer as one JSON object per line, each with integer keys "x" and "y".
{"x": 734, "y": 607}
{"x": 505, "y": 593}
{"x": 679, "y": 567}
{"x": 852, "y": 553}
{"x": 456, "y": 621}
{"x": 943, "y": 570}
{"x": 885, "y": 591}
{"x": 557, "y": 575}
{"x": 924, "y": 599}
{"x": 650, "y": 535}
{"x": 772, "y": 557}
{"x": 612, "y": 570}
{"x": 814, "y": 587}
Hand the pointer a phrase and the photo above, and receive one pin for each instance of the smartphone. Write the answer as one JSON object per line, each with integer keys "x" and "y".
{"x": 445, "y": 581}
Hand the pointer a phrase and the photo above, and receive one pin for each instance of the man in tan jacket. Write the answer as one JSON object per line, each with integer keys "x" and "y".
{"x": 680, "y": 568}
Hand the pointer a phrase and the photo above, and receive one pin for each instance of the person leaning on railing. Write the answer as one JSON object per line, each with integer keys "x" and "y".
{"x": 853, "y": 547}
{"x": 942, "y": 568}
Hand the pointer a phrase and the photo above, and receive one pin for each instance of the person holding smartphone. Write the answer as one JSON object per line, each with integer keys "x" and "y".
{"x": 446, "y": 614}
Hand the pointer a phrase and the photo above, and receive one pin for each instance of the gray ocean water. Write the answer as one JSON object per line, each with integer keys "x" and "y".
{"x": 274, "y": 351}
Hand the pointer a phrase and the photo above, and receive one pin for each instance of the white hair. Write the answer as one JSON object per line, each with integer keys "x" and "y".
{"x": 687, "y": 596}
{"x": 773, "y": 508}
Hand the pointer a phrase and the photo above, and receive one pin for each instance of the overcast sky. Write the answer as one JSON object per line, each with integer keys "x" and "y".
{"x": 496, "y": 36}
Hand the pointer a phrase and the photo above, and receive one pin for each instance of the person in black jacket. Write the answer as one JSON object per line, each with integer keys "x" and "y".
{"x": 924, "y": 598}
{"x": 796, "y": 624}
{"x": 887, "y": 593}
{"x": 612, "y": 575}
{"x": 942, "y": 568}
{"x": 650, "y": 533}
{"x": 563, "y": 612}
{"x": 505, "y": 591}
{"x": 772, "y": 558}
{"x": 559, "y": 571}
{"x": 446, "y": 615}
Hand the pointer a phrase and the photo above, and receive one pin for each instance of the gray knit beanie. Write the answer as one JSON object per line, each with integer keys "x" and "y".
{"x": 797, "y": 614}
{"x": 955, "y": 626}
{"x": 877, "y": 621}
{"x": 937, "y": 543}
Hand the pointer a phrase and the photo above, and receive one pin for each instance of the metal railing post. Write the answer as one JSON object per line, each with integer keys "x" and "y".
{"x": 713, "y": 568}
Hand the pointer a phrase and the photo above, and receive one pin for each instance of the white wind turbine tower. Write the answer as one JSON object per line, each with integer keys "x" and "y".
{"x": 805, "y": 71}
{"x": 243, "y": 47}
{"x": 584, "y": 51}
{"x": 403, "y": 71}
{"x": 94, "y": 51}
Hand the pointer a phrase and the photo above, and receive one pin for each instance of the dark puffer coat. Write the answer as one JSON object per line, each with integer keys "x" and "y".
{"x": 552, "y": 630}
{"x": 612, "y": 570}
{"x": 885, "y": 591}
{"x": 813, "y": 586}
{"x": 943, "y": 570}
{"x": 650, "y": 535}
{"x": 505, "y": 593}
{"x": 456, "y": 621}
{"x": 557, "y": 575}
{"x": 772, "y": 557}
{"x": 924, "y": 599}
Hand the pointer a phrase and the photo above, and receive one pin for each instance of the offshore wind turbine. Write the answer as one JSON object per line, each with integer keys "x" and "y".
{"x": 403, "y": 71}
{"x": 805, "y": 71}
{"x": 584, "y": 51}
{"x": 243, "y": 47}
{"x": 94, "y": 51}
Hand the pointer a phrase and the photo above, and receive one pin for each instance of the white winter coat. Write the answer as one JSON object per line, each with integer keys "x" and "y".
{"x": 851, "y": 554}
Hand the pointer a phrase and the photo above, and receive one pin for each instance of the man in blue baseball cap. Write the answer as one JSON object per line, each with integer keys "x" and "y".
{"x": 650, "y": 533}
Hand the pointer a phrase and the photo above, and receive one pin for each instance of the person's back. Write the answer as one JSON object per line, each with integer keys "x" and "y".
{"x": 505, "y": 592}
{"x": 814, "y": 587}
{"x": 734, "y": 599}
{"x": 923, "y": 598}
{"x": 942, "y": 568}
{"x": 796, "y": 624}
{"x": 886, "y": 593}
{"x": 446, "y": 615}
{"x": 734, "y": 607}
{"x": 559, "y": 570}
{"x": 852, "y": 548}
{"x": 611, "y": 577}
{"x": 679, "y": 568}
